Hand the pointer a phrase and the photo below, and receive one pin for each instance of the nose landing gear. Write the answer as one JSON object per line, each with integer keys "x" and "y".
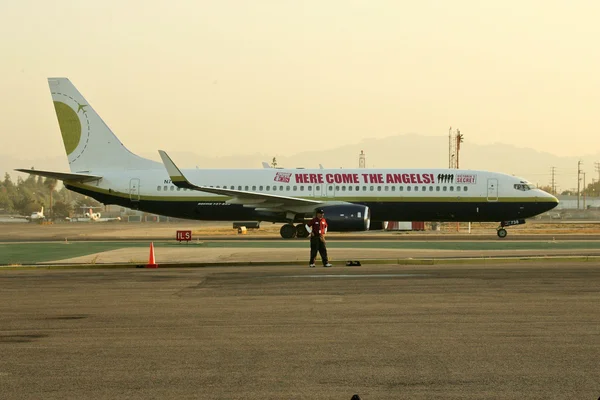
{"x": 502, "y": 232}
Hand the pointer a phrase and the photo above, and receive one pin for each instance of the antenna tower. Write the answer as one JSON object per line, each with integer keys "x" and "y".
{"x": 362, "y": 162}
{"x": 455, "y": 138}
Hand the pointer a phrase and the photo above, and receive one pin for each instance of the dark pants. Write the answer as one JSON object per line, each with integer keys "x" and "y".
{"x": 318, "y": 244}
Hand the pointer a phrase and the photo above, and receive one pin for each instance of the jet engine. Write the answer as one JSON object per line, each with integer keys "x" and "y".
{"x": 347, "y": 218}
{"x": 92, "y": 215}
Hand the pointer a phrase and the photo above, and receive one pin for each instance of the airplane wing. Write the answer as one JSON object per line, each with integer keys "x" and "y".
{"x": 248, "y": 199}
{"x": 19, "y": 217}
{"x": 63, "y": 176}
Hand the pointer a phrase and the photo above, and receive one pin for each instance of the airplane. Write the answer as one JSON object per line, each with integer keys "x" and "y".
{"x": 91, "y": 216}
{"x": 35, "y": 216}
{"x": 101, "y": 167}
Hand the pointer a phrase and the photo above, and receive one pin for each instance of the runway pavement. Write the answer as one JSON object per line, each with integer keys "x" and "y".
{"x": 283, "y": 251}
{"x": 505, "y": 331}
{"x": 203, "y": 255}
{"x": 223, "y": 231}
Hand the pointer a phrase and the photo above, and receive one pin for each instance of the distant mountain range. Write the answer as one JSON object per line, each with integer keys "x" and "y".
{"x": 401, "y": 151}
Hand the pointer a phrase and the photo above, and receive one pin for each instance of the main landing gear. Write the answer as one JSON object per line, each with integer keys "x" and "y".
{"x": 289, "y": 231}
{"x": 502, "y": 232}
{"x": 301, "y": 231}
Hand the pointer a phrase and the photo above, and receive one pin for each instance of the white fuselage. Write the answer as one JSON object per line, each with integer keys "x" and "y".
{"x": 338, "y": 184}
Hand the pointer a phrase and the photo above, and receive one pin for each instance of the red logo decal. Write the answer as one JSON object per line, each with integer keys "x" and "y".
{"x": 283, "y": 177}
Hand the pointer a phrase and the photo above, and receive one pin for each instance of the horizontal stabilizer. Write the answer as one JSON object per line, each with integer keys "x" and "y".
{"x": 63, "y": 176}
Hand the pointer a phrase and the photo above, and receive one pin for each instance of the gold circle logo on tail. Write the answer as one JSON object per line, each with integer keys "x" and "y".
{"x": 70, "y": 126}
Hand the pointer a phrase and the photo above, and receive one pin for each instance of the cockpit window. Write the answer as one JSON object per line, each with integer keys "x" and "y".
{"x": 521, "y": 186}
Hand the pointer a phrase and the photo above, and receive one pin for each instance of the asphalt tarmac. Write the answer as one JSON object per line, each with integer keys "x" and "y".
{"x": 501, "y": 331}
{"x": 108, "y": 231}
{"x": 255, "y": 252}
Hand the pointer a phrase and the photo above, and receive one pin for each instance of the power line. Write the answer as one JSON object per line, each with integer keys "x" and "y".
{"x": 557, "y": 172}
{"x": 553, "y": 184}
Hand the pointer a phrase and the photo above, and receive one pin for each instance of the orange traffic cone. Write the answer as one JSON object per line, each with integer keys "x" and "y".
{"x": 152, "y": 262}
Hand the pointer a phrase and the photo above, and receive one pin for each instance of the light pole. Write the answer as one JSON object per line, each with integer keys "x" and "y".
{"x": 583, "y": 190}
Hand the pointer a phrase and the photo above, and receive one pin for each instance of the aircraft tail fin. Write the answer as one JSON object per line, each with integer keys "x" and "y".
{"x": 89, "y": 143}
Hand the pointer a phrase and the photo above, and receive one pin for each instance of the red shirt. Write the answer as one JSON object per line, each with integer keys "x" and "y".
{"x": 318, "y": 226}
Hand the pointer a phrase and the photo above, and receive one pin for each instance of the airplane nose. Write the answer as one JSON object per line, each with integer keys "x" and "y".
{"x": 550, "y": 200}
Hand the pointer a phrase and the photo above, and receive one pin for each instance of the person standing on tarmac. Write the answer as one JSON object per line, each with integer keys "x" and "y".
{"x": 318, "y": 228}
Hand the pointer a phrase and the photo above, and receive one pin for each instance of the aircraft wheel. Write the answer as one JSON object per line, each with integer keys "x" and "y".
{"x": 301, "y": 231}
{"x": 502, "y": 233}
{"x": 287, "y": 231}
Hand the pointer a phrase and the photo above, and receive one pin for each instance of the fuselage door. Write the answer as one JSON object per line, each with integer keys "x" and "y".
{"x": 319, "y": 190}
{"x": 492, "y": 189}
{"x": 134, "y": 189}
{"x": 330, "y": 189}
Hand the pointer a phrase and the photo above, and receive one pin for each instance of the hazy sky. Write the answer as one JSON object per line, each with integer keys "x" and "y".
{"x": 283, "y": 76}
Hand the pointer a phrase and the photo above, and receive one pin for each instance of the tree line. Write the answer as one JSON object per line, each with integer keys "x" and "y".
{"x": 26, "y": 196}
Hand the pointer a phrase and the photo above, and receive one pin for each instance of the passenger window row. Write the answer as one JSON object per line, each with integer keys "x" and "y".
{"x": 344, "y": 188}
